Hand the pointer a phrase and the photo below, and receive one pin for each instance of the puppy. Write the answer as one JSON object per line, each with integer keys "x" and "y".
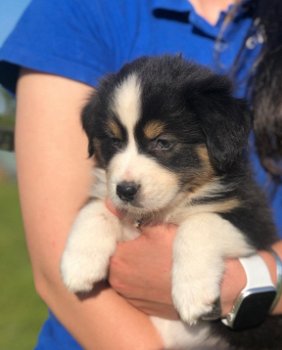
{"x": 170, "y": 146}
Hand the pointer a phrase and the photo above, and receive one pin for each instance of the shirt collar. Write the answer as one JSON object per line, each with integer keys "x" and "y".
{"x": 199, "y": 22}
{"x": 185, "y": 5}
{"x": 173, "y": 5}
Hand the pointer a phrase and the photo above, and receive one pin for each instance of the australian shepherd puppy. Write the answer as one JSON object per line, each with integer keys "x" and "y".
{"x": 170, "y": 146}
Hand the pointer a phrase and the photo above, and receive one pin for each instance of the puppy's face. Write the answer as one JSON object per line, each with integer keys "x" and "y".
{"x": 147, "y": 128}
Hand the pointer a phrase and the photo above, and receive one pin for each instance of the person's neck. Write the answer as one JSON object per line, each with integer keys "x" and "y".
{"x": 211, "y": 9}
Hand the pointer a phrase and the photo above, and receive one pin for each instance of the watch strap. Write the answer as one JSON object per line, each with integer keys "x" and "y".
{"x": 278, "y": 262}
{"x": 256, "y": 272}
{"x": 255, "y": 300}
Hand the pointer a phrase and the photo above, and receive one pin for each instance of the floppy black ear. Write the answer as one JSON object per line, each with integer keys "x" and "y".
{"x": 94, "y": 112}
{"x": 226, "y": 124}
{"x": 88, "y": 121}
{"x": 225, "y": 120}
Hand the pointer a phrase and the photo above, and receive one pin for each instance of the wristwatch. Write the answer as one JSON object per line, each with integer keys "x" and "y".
{"x": 255, "y": 300}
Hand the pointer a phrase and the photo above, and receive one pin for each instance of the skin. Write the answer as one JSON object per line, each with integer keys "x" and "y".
{"x": 211, "y": 9}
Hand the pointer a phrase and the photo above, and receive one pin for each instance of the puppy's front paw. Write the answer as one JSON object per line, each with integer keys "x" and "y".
{"x": 193, "y": 302}
{"x": 195, "y": 293}
{"x": 80, "y": 272}
{"x": 91, "y": 243}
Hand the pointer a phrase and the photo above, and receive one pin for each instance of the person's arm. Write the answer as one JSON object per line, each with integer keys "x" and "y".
{"x": 54, "y": 178}
{"x": 140, "y": 272}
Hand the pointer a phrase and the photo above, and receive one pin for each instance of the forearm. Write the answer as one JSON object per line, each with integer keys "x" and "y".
{"x": 54, "y": 178}
{"x": 101, "y": 321}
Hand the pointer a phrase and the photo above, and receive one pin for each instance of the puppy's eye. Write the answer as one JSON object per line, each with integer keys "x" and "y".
{"x": 161, "y": 144}
{"x": 116, "y": 143}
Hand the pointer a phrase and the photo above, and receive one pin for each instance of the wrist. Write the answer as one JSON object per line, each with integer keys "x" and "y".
{"x": 234, "y": 280}
{"x": 270, "y": 263}
{"x": 257, "y": 298}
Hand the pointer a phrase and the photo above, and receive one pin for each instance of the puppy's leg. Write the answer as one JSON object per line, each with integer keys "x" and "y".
{"x": 90, "y": 245}
{"x": 202, "y": 242}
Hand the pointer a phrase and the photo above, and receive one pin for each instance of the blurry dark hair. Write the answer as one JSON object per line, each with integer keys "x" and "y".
{"x": 265, "y": 80}
{"x": 266, "y": 88}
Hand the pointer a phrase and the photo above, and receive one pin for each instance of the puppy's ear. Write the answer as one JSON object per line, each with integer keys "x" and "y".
{"x": 226, "y": 125}
{"x": 224, "y": 120}
{"x": 88, "y": 120}
{"x": 93, "y": 113}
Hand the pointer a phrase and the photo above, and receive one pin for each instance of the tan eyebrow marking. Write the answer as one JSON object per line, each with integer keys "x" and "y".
{"x": 114, "y": 128}
{"x": 153, "y": 129}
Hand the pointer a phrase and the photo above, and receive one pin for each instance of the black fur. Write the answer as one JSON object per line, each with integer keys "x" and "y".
{"x": 197, "y": 109}
{"x": 196, "y": 104}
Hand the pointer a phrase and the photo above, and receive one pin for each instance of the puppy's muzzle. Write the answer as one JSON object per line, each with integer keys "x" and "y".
{"x": 127, "y": 190}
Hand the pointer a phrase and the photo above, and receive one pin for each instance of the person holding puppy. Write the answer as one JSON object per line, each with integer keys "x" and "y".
{"x": 63, "y": 49}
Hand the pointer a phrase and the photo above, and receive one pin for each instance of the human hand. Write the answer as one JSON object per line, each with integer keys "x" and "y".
{"x": 140, "y": 271}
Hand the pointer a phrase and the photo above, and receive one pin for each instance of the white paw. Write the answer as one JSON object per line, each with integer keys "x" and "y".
{"x": 90, "y": 244}
{"x": 81, "y": 271}
{"x": 194, "y": 298}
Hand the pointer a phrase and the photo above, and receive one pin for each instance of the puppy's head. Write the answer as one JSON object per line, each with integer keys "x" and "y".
{"x": 163, "y": 127}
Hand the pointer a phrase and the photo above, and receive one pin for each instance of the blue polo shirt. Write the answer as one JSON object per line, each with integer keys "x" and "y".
{"x": 85, "y": 39}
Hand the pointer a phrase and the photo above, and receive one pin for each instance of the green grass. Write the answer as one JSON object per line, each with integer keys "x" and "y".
{"x": 21, "y": 311}
{"x": 7, "y": 121}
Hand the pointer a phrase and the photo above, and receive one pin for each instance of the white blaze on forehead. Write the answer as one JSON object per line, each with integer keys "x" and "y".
{"x": 126, "y": 102}
{"x": 127, "y": 107}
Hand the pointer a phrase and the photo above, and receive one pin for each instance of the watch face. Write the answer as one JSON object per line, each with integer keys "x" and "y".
{"x": 253, "y": 307}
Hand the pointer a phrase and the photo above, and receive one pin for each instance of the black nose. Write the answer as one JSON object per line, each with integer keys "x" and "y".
{"x": 127, "y": 190}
